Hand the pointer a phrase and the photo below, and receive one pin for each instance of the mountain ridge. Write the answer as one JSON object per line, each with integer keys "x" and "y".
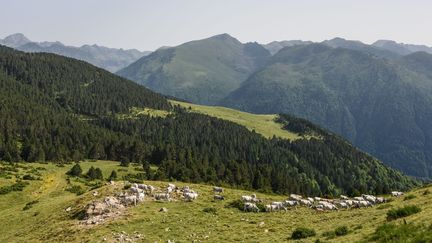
{"x": 111, "y": 59}
{"x": 201, "y": 71}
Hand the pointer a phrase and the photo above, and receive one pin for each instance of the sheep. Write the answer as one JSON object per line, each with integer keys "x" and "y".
{"x": 250, "y": 207}
{"x": 162, "y": 196}
{"x": 217, "y": 189}
{"x": 218, "y": 197}
{"x": 190, "y": 196}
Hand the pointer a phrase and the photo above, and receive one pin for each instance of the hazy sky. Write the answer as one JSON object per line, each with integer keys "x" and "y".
{"x": 147, "y": 25}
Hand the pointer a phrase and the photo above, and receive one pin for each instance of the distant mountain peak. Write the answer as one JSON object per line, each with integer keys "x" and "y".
{"x": 224, "y": 37}
{"x": 401, "y": 48}
{"x": 15, "y": 40}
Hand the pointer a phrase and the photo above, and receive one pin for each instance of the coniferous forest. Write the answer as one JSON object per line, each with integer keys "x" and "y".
{"x": 59, "y": 109}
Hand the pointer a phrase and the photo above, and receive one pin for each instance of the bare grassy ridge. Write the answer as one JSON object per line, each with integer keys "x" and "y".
{"x": 48, "y": 221}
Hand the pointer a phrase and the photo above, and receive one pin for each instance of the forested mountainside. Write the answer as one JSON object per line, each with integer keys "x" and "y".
{"x": 60, "y": 109}
{"x": 384, "y": 107}
{"x": 111, "y": 59}
{"x": 202, "y": 71}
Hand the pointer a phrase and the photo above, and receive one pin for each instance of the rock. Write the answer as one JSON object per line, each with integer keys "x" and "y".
{"x": 164, "y": 210}
{"x": 266, "y": 231}
{"x": 68, "y": 209}
{"x": 261, "y": 224}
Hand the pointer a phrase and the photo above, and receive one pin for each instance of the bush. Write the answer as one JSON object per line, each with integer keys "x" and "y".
{"x": 236, "y": 204}
{"x": 29, "y": 205}
{"x": 301, "y": 233}
{"x": 113, "y": 176}
{"x": 29, "y": 178}
{"x": 409, "y": 197}
{"x": 127, "y": 186}
{"x": 393, "y": 214}
{"x": 19, "y": 186}
{"x": 77, "y": 189}
{"x": 342, "y": 230}
{"x": 124, "y": 162}
{"x": 210, "y": 210}
{"x": 339, "y": 231}
{"x": 402, "y": 233}
{"x": 94, "y": 174}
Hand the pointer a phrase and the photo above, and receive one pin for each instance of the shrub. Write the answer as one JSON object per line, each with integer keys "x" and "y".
{"x": 301, "y": 233}
{"x": 339, "y": 231}
{"x": 402, "y": 233}
{"x": 113, "y": 176}
{"x": 342, "y": 230}
{"x": 261, "y": 207}
{"x": 124, "y": 162}
{"x": 210, "y": 210}
{"x": 94, "y": 174}
{"x": 29, "y": 178}
{"x": 409, "y": 197}
{"x": 75, "y": 171}
{"x": 19, "y": 186}
{"x": 236, "y": 204}
{"x": 393, "y": 214}
{"x": 77, "y": 189}
{"x": 127, "y": 186}
{"x": 29, "y": 205}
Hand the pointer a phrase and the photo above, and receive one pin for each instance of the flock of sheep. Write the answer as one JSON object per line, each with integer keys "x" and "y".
{"x": 138, "y": 192}
{"x": 317, "y": 203}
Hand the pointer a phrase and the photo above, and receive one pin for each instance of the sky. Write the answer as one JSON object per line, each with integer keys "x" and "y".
{"x": 147, "y": 25}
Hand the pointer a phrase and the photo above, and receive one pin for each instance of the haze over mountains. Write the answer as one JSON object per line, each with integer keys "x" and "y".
{"x": 110, "y": 59}
{"x": 377, "y": 96}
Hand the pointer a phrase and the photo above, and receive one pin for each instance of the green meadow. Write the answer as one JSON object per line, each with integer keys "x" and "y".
{"x": 203, "y": 220}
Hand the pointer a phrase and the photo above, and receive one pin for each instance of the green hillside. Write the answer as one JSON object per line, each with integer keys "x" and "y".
{"x": 202, "y": 71}
{"x": 265, "y": 125}
{"x": 381, "y": 106}
{"x": 47, "y": 220}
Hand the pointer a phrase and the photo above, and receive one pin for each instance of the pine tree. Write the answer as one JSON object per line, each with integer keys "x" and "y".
{"x": 98, "y": 174}
{"x": 91, "y": 173}
{"x": 75, "y": 171}
{"x": 113, "y": 176}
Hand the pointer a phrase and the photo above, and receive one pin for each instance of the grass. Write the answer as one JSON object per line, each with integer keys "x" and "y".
{"x": 262, "y": 124}
{"x": 202, "y": 220}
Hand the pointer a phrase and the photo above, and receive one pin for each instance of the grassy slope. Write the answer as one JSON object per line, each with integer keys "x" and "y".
{"x": 184, "y": 222}
{"x": 262, "y": 124}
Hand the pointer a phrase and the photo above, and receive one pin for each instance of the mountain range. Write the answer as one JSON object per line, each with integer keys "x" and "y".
{"x": 60, "y": 109}
{"x": 110, "y": 59}
{"x": 377, "y": 97}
